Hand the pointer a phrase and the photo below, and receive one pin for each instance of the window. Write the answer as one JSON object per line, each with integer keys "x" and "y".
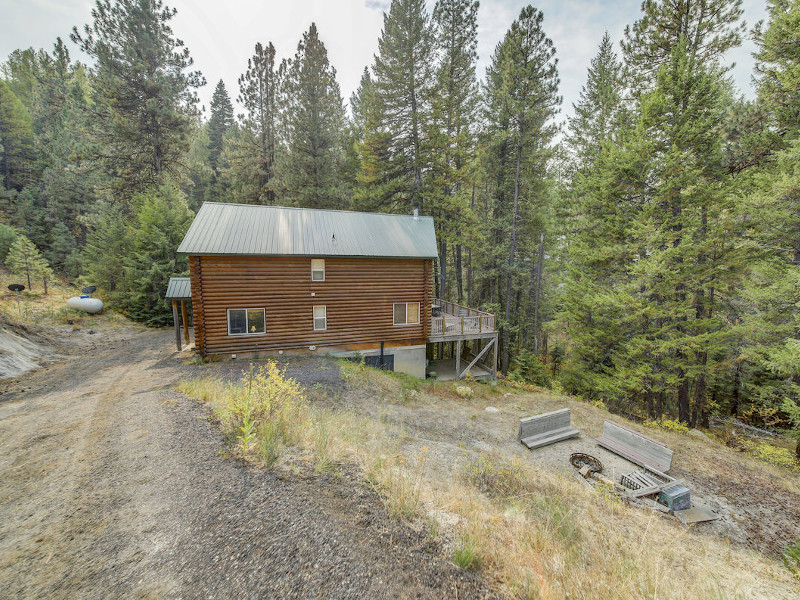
{"x": 246, "y": 321}
{"x": 320, "y": 318}
{"x": 406, "y": 313}
{"x": 317, "y": 269}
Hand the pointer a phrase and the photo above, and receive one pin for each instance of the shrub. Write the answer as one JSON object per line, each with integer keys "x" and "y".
{"x": 667, "y": 425}
{"x": 791, "y": 557}
{"x": 263, "y": 414}
{"x": 775, "y": 455}
{"x": 497, "y": 476}
{"x": 527, "y": 368}
{"x": 466, "y": 556}
{"x": 599, "y": 404}
{"x": 463, "y": 391}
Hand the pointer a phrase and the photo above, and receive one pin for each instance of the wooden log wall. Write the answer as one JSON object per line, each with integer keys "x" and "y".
{"x": 359, "y": 294}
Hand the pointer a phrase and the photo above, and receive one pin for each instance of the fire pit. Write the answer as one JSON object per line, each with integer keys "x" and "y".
{"x": 580, "y": 460}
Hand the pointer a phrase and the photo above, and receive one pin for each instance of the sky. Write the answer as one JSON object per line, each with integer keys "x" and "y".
{"x": 221, "y": 35}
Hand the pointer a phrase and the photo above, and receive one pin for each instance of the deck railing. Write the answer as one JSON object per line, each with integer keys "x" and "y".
{"x": 456, "y": 320}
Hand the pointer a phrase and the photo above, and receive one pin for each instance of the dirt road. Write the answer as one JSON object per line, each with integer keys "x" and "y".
{"x": 113, "y": 486}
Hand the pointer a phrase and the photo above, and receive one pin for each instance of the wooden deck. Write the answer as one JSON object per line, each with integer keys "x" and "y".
{"x": 456, "y": 325}
{"x": 456, "y": 321}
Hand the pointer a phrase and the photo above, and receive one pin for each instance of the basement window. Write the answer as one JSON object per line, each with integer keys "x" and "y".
{"x": 406, "y": 313}
{"x": 246, "y": 321}
{"x": 320, "y": 318}
{"x": 317, "y": 269}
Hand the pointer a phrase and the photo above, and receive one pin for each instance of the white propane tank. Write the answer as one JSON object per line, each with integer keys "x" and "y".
{"x": 86, "y": 304}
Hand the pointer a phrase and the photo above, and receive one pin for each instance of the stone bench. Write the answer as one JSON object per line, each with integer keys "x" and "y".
{"x": 546, "y": 428}
{"x": 636, "y": 448}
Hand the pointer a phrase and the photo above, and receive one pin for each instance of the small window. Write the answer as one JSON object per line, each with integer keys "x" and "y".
{"x": 317, "y": 269}
{"x": 320, "y": 318}
{"x": 246, "y": 321}
{"x": 406, "y": 313}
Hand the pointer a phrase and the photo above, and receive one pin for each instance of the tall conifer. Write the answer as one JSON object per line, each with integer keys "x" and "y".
{"x": 521, "y": 100}
{"x": 312, "y": 121}
{"x": 144, "y": 96}
{"x": 393, "y": 154}
{"x": 219, "y": 124}
{"x": 250, "y": 153}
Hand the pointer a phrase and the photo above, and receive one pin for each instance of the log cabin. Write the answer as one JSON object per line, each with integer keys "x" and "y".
{"x": 267, "y": 280}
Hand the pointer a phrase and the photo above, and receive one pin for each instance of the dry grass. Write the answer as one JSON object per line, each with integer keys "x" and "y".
{"x": 534, "y": 532}
{"x": 37, "y": 308}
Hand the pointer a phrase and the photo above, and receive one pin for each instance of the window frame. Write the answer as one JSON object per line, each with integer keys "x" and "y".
{"x": 247, "y": 322}
{"x": 313, "y": 270}
{"x": 314, "y": 317}
{"x": 419, "y": 314}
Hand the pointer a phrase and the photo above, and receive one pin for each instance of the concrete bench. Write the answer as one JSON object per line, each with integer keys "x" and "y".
{"x": 636, "y": 448}
{"x": 547, "y": 428}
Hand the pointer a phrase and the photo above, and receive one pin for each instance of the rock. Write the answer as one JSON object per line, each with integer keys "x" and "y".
{"x": 698, "y": 433}
{"x": 492, "y": 409}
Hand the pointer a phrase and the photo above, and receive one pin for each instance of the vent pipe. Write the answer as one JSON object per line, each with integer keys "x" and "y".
{"x": 416, "y": 212}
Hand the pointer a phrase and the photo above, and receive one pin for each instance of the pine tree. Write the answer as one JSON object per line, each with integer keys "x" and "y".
{"x": 393, "y": 158}
{"x": 16, "y": 140}
{"x": 770, "y": 378}
{"x": 219, "y": 124}
{"x": 109, "y": 239}
{"x": 21, "y": 71}
{"x": 161, "y": 221}
{"x": 521, "y": 100}
{"x": 8, "y": 235}
{"x": 61, "y": 116}
{"x": 679, "y": 232}
{"x": 143, "y": 94}
{"x": 709, "y": 28}
{"x": 25, "y": 259}
{"x": 599, "y": 109}
{"x": 451, "y": 131}
{"x": 312, "y": 119}
{"x": 249, "y": 153}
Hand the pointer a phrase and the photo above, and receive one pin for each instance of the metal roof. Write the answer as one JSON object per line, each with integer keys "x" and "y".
{"x": 179, "y": 288}
{"x": 250, "y": 230}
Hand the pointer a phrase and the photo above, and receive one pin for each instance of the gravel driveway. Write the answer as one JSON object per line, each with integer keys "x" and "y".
{"x": 114, "y": 486}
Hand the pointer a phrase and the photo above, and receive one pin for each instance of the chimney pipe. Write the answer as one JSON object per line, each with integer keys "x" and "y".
{"x": 416, "y": 212}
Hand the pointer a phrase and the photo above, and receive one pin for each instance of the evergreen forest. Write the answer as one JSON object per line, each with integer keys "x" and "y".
{"x": 644, "y": 252}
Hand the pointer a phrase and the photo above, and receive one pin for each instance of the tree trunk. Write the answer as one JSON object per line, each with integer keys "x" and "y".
{"x": 683, "y": 397}
{"x": 442, "y": 269}
{"x": 537, "y": 295}
{"x": 469, "y": 254}
{"x": 459, "y": 275}
{"x": 511, "y": 254}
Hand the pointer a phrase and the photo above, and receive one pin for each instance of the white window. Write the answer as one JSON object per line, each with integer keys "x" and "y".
{"x": 320, "y": 318}
{"x": 317, "y": 269}
{"x": 246, "y": 321}
{"x": 406, "y": 313}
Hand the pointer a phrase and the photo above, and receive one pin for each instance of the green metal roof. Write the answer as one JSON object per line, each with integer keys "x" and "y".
{"x": 179, "y": 288}
{"x": 221, "y": 229}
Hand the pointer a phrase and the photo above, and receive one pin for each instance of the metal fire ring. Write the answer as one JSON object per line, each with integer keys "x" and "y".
{"x": 580, "y": 460}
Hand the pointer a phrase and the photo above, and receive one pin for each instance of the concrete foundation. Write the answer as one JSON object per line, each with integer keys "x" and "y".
{"x": 407, "y": 359}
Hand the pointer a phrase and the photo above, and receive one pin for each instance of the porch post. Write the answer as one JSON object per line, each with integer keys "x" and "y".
{"x": 177, "y": 324}
{"x": 494, "y": 368}
{"x": 185, "y": 321}
{"x": 458, "y": 359}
